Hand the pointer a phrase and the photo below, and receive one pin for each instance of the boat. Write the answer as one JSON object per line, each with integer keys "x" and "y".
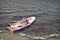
{"x": 30, "y": 21}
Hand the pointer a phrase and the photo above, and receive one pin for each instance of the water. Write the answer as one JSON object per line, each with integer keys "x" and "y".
{"x": 47, "y": 13}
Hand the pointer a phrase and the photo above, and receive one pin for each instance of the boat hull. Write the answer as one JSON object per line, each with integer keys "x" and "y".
{"x": 22, "y": 28}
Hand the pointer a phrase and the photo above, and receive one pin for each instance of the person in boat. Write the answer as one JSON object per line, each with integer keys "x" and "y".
{"x": 20, "y": 23}
{"x": 24, "y": 20}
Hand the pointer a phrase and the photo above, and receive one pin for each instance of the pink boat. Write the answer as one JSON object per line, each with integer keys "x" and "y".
{"x": 30, "y": 21}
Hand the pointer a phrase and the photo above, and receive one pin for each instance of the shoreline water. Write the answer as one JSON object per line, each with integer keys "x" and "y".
{"x": 47, "y": 13}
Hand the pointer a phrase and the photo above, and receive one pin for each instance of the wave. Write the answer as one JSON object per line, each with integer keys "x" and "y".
{"x": 39, "y": 37}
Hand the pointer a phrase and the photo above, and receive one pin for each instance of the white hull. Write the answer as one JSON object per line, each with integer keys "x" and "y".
{"x": 30, "y": 21}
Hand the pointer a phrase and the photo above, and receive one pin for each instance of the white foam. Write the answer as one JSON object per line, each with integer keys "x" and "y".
{"x": 39, "y": 37}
